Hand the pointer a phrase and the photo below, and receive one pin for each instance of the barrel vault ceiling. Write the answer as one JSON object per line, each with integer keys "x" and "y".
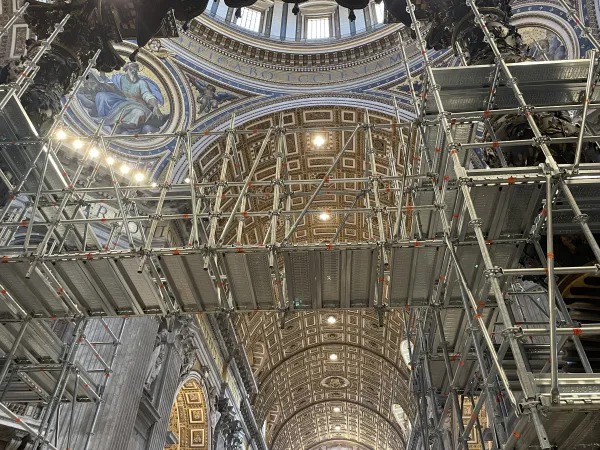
{"x": 306, "y": 400}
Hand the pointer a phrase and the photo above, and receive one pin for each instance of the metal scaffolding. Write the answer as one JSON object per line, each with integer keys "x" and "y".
{"x": 445, "y": 249}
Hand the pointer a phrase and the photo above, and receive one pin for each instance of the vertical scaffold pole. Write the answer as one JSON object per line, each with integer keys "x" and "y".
{"x": 216, "y": 212}
{"x": 476, "y": 222}
{"x": 554, "y": 392}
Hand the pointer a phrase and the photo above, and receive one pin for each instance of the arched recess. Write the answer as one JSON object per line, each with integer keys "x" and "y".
{"x": 309, "y": 377}
{"x": 190, "y": 416}
{"x": 316, "y": 424}
{"x": 370, "y": 102}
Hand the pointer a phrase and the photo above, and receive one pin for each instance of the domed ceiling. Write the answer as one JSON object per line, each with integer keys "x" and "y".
{"x": 276, "y": 24}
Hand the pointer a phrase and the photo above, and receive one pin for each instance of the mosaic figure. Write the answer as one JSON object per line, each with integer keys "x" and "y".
{"x": 129, "y": 98}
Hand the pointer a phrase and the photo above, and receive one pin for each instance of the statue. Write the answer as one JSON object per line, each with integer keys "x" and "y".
{"x": 157, "y": 358}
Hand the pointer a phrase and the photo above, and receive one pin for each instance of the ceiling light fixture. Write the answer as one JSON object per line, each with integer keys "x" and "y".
{"x": 319, "y": 140}
{"x": 331, "y": 320}
{"x": 94, "y": 152}
{"x": 154, "y": 185}
{"x": 77, "y": 144}
{"x": 324, "y": 216}
{"x": 110, "y": 160}
{"x": 139, "y": 177}
{"x": 337, "y": 409}
{"x": 187, "y": 180}
{"x": 333, "y": 357}
{"x": 61, "y": 135}
{"x": 124, "y": 169}
{"x": 337, "y": 428}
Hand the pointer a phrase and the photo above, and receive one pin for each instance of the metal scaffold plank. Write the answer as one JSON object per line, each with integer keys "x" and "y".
{"x": 330, "y": 278}
{"x": 543, "y": 83}
{"x": 250, "y": 280}
{"x": 192, "y": 285}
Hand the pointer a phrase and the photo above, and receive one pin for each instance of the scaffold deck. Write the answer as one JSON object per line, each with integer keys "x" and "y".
{"x": 446, "y": 250}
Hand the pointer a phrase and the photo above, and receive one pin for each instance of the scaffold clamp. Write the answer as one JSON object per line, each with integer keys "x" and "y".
{"x": 494, "y": 272}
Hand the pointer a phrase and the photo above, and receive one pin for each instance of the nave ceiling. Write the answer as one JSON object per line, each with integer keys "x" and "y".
{"x": 304, "y": 396}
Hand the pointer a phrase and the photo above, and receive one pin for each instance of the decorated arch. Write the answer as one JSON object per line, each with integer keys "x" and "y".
{"x": 189, "y": 425}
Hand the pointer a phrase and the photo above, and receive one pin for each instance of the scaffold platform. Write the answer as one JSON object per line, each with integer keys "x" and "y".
{"x": 446, "y": 250}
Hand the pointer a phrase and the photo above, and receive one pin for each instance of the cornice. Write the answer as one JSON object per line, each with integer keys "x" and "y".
{"x": 310, "y": 48}
{"x": 294, "y": 59}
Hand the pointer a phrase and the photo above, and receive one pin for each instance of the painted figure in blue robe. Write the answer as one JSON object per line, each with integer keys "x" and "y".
{"x": 129, "y": 98}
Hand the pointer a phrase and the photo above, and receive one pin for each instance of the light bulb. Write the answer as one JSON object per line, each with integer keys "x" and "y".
{"x": 94, "y": 152}
{"x": 110, "y": 160}
{"x": 319, "y": 140}
{"x": 337, "y": 409}
{"x": 77, "y": 144}
{"x": 324, "y": 216}
{"x": 154, "y": 185}
{"x": 333, "y": 357}
{"x": 187, "y": 180}
{"x": 61, "y": 135}
{"x": 337, "y": 428}
{"x": 124, "y": 169}
{"x": 331, "y": 320}
{"x": 139, "y": 176}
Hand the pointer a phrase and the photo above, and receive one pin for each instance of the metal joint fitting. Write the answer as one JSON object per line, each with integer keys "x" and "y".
{"x": 581, "y": 218}
{"x": 526, "y": 108}
{"x": 165, "y": 185}
{"x": 221, "y": 183}
{"x": 435, "y": 87}
{"x": 454, "y": 146}
{"x": 465, "y": 181}
{"x": 541, "y": 140}
{"x": 513, "y": 82}
{"x": 597, "y": 268}
{"x": 181, "y": 133}
{"x": 494, "y": 272}
{"x": 527, "y": 406}
{"x": 155, "y": 216}
{"x": 439, "y": 206}
{"x": 515, "y": 331}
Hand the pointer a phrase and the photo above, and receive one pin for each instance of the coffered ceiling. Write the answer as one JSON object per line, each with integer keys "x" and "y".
{"x": 302, "y": 389}
{"x": 307, "y": 161}
{"x": 325, "y": 377}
